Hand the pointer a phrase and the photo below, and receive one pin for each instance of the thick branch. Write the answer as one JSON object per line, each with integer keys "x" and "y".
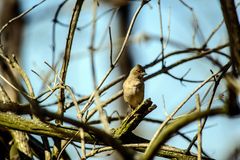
{"x": 13, "y": 121}
{"x": 233, "y": 27}
{"x": 134, "y": 118}
{"x": 175, "y": 126}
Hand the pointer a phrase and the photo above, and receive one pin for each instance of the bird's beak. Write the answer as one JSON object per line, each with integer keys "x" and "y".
{"x": 144, "y": 73}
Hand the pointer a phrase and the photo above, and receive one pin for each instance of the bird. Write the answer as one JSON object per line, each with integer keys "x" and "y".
{"x": 133, "y": 87}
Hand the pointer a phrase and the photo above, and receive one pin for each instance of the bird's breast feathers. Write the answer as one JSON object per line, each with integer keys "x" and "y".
{"x": 133, "y": 86}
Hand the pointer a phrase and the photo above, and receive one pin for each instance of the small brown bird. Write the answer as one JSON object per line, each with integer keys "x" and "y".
{"x": 133, "y": 87}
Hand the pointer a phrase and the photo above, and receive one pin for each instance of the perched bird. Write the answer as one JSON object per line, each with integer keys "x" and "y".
{"x": 133, "y": 87}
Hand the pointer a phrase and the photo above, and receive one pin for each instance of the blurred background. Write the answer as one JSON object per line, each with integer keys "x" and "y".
{"x": 182, "y": 24}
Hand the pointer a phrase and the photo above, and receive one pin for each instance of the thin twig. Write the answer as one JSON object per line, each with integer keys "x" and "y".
{"x": 182, "y": 61}
{"x": 105, "y": 103}
{"x": 86, "y": 106}
{"x": 180, "y": 106}
{"x": 16, "y": 18}
{"x": 79, "y": 116}
{"x": 66, "y": 58}
{"x": 111, "y": 45}
{"x": 217, "y": 82}
{"x": 65, "y": 146}
{"x": 212, "y": 33}
{"x": 164, "y": 151}
{"x": 198, "y": 108}
{"x": 55, "y": 20}
{"x": 175, "y": 126}
{"x": 161, "y": 32}
{"x": 188, "y": 50}
{"x": 92, "y": 45}
{"x": 102, "y": 115}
